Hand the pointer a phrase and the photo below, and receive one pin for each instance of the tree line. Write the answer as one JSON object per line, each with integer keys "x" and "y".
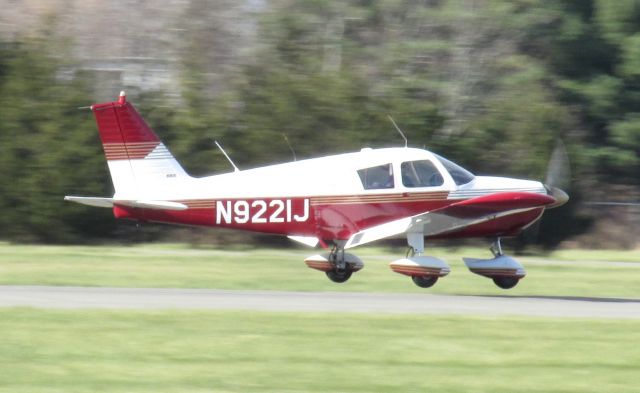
{"x": 493, "y": 85}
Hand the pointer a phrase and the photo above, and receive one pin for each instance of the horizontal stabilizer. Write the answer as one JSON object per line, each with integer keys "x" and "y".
{"x": 109, "y": 202}
{"x": 91, "y": 201}
{"x": 159, "y": 205}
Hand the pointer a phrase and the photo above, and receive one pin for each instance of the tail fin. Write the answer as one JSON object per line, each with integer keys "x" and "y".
{"x": 137, "y": 159}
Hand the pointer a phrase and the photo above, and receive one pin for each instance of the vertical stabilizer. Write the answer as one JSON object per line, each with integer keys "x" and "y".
{"x": 138, "y": 161}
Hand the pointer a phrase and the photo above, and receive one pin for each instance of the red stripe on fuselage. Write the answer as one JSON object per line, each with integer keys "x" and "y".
{"x": 340, "y": 219}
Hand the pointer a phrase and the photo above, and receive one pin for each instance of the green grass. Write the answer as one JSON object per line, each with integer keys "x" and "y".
{"x": 225, "y": 351}
{"x": 598, "y": 255}
{"x": 173, "y": 351}
{"x": 579, "y": 273}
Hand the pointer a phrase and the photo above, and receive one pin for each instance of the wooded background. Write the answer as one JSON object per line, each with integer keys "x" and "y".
{"x": 492, "y": 85}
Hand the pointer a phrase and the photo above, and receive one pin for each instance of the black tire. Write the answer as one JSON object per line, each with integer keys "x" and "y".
{"x": 339, "y": 276}
{"x": 506, "y": 282}
{"x": 424, "y": 281}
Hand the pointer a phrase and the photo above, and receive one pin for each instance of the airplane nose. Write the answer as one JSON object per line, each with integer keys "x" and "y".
{"x": 560, "y": 196}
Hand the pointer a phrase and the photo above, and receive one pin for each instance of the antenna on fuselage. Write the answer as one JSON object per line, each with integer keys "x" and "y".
{"x": 290, "y": 147}
{"x": 235, "y": 168}
{"x": 406, "y": 142}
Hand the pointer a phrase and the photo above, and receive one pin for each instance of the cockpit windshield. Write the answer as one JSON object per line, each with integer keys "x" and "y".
{"x": 459, "y": 174}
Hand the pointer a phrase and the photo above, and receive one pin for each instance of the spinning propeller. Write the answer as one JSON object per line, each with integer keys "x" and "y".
{"x": 558, "y": 177}
{"x": 558, "y": 174}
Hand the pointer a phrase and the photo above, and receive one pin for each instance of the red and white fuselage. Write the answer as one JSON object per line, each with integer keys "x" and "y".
{"x": 323, "y": 199}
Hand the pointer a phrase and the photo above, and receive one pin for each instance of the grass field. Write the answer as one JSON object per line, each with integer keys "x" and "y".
{"x": 98, "y": 351}
{"x": 567, "y": 273}
{"x": 45, "y": 351}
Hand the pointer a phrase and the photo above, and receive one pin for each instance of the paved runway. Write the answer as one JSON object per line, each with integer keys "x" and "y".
{"x": 166, "y": 298}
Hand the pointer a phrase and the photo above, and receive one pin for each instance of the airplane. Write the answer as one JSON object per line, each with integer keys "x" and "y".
{"x": 338, "y": 201}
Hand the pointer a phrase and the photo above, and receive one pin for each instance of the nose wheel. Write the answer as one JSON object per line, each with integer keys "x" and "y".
{"x": 503, "y": 270}
{"x": 506, "y": 282}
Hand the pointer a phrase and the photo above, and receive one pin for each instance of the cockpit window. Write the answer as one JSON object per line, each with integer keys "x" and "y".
{"x": 459, "y": 174}
{"x": 377, "y": 177}
{"x": 420, "y": 173}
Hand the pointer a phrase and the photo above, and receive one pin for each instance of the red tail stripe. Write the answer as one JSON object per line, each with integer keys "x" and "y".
{"x": 123, "y": 151}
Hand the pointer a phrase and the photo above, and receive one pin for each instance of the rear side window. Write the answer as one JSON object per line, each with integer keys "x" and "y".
{"x": 420, "y": 173}
{"x": 377, "y": 177}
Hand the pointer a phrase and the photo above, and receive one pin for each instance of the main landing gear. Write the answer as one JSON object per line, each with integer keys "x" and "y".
{"x": 337, "y": 265}
{"x": 423, "y": 270}
{"x": 426, "y": 281}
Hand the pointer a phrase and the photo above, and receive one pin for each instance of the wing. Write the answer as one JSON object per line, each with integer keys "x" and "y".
{"x": 310, "y": 241}
{"x": 455, "y": 216}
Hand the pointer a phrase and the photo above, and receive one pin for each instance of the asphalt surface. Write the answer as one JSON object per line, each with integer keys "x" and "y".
{"x": 169, "y": 298}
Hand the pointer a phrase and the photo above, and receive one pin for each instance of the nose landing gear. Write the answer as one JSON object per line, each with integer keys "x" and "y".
{"x": 505, "y": 271}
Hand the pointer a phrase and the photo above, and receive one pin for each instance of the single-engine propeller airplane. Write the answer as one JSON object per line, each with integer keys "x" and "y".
{"x": 339, "y": 201}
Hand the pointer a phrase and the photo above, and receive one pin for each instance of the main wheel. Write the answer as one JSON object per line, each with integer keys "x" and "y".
{"x": 506, "y": 282}
{"x": 424, "y": 281}
{"x": 339, "y": 276}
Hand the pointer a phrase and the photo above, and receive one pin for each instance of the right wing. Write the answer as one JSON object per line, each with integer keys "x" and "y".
{"x": 91, "y": 201}
{"x": 455, "y": 216}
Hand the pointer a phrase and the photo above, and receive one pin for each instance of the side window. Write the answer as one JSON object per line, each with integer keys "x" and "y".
{"x": 377, "y": 177}
{"x": 420, "y": 173}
